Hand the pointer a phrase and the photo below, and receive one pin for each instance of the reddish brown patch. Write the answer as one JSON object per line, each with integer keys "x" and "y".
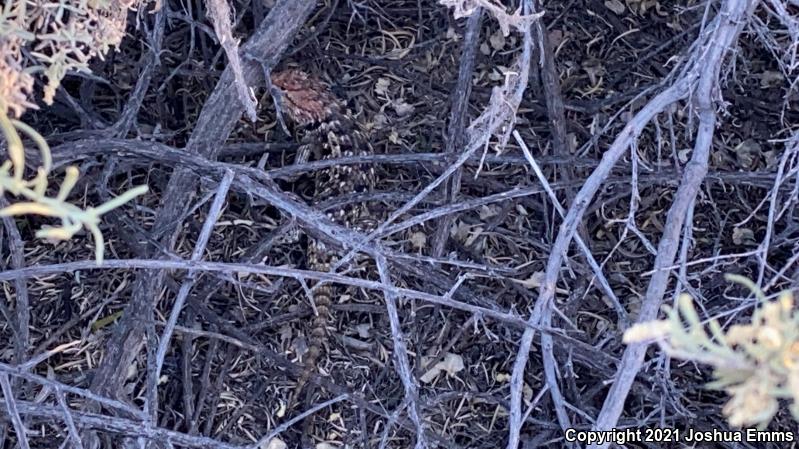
{"x": 306, "y": 99}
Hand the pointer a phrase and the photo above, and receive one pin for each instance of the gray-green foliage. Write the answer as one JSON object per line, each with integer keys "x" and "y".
{"x": 756, "y": 363}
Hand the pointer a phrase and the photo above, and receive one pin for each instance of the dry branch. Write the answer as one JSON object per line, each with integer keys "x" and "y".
{"x": 221, "y": 16}
{"x": 457, "y": 117}
{"x": 219, "y": 115}
{"x": 707, "y": 62}
{"x": 220, "y": 331}
{"x": 497, "y": 120}
{"x": 517, "y": 20}
{"x": 692, "y": 80}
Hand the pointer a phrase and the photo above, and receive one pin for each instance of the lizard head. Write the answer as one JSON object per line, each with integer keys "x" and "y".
{"x": 305, "y": 99}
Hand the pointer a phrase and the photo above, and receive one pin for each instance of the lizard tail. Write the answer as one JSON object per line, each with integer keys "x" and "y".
{"x": 316, "y": 341}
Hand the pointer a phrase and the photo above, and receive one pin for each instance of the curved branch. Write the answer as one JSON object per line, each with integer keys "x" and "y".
{"x": 728, "y": 25}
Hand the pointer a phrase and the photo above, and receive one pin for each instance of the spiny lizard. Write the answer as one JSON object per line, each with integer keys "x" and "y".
{"x": 330, "y": 132}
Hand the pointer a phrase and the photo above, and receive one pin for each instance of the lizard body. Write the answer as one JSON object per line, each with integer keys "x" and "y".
{"x": 331, "y": 133}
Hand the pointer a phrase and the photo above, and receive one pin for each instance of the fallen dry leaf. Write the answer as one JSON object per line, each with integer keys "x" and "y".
{"x": 274, "y": 443}
{"x": 364, "y": 330}
{"x": 401, "y": 107}
{"x": 381, "y": 86}
{"x": 771, "y": 78}
{"x": 452, "y": 364}
{"x": 419, "y": 240}
{"x": 615, "y": 5}
{"x": 534, "y": 281}
{"x": 497, "y": 40}
{"x": 743, "y": 236}
{"x": 487, "y": 212}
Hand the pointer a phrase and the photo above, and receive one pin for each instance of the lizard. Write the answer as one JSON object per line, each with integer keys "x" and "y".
{"x": 330, "y": 132}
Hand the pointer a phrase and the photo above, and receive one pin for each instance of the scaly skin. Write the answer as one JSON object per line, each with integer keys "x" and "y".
{"x": 332, "y": 133}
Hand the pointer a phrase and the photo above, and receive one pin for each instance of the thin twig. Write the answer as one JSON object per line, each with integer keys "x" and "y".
{"x": 55, "y": 385}
{"x": 401, "y": 355}
{"x": 264, "y": 440}
{"x": 772, "y": 211}
{"x": 624, "y": 320}
{"x": 581, "y": 202}
{"x": 19, "y": 326}
{"x": 188, "y": 283}
{"x": 13, "y": 412}
{"x": 457, "y": 117}
{"x": 127, "y": 427}
{"x": 707, "y": 64}
{"x": 74, "y": 435}
{"x": 238, "y": 268}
